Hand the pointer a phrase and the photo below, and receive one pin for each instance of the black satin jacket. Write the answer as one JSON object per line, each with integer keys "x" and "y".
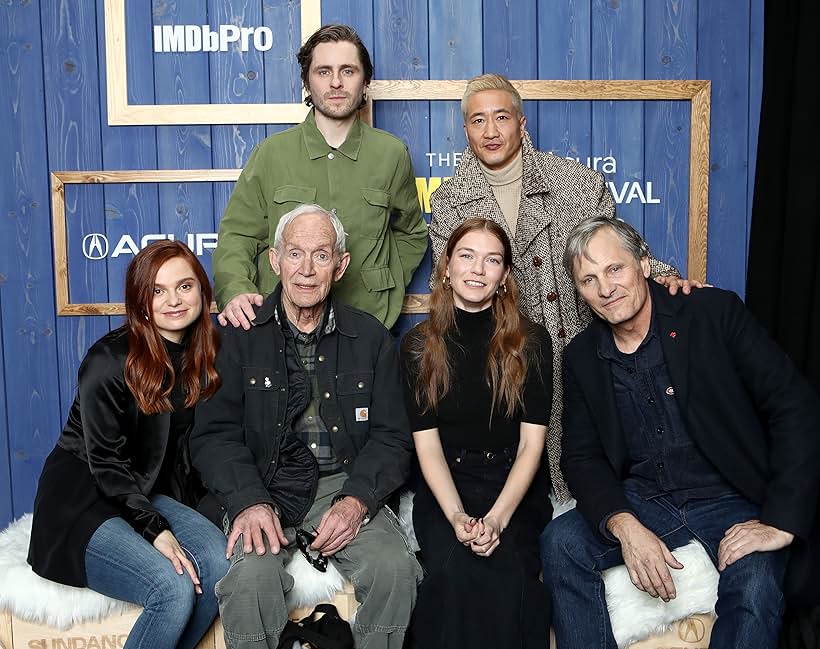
{"x": 122, "y": 447}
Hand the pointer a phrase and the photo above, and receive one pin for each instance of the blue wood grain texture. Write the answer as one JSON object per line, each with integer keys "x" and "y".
{"x": 282, "y": 80}
{"x": 565, "y": 52}
{"x": 755, "y": 95}
{"x": 357, "y": 14}
{"x": 182, "y": 78}
{"x": 456, "y": 37}
{"x": 670, "y": 48}
{"x": 72, "y": 102}
{"x": 31, "y": 396}
{"x": 237, "y": 77}
{"x": 723, "y": 57}
{"x": 6, "y": 509}
{"x": 617, "y": 126}
{"x": 400, "y": 52}
{"x": 129, "y": 208}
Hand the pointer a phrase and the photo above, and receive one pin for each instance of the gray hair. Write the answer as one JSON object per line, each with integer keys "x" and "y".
{"x": 310, "y": 208}
{"x": 491, "y": 82}
{"x": 580, "y": 236}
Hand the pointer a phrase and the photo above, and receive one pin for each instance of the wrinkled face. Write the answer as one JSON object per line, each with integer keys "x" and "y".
{"x": 610, "y": 280}
{"x": 493, "y": 128}
{"x": 476, "y": 270}
{"x": 177, "y": 299}
{"x": 306, "y": 262}
{"x": 336, "y": 79}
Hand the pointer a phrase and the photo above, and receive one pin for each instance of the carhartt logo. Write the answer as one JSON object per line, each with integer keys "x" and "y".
{"x": 691, "y": 630}
{"x": 95, "y": 246}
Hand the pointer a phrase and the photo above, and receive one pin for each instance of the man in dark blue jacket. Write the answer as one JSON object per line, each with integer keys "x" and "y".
{"x": 308, "y": 429}
{"x": 682, "y": 420}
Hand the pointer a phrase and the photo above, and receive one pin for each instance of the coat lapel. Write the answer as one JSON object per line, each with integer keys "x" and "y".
{"x": 674, "y": 329}
{"x": 535, "y": 213}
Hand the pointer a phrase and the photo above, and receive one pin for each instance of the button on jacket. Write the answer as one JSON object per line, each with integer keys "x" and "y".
{"x": 369, "y": 184}
{"x": 238, "y": 433}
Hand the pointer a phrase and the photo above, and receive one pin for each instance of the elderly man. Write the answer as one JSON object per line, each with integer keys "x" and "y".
{"x": 311, "y": 373}
{"x": 537, "y": 198}
{"x": 682, "y": 420}
{"x": 361, "y": 174}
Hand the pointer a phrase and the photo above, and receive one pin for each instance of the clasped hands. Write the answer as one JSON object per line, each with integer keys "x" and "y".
{"x": 339, "y": 526}
{"x": 481, "y": 535}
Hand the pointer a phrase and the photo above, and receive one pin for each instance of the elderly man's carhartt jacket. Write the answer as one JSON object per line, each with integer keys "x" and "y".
{"x": 235, "y": 444}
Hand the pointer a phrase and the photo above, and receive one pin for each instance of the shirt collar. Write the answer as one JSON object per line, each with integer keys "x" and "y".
{"x": 328, "y": 325}
{"x": 606, "y": 341}
{"x": 316, "y": 145}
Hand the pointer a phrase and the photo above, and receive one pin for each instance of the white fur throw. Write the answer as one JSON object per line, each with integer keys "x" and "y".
{"x": 32, "y": 598}
{"x": 635, "y": 615}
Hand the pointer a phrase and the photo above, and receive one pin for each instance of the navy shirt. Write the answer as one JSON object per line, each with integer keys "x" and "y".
{"x": 663, "y": 458}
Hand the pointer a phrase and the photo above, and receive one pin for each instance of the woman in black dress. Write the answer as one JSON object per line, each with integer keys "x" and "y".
{"x": 478, "y": 379}
{"x": 114, "y": 503}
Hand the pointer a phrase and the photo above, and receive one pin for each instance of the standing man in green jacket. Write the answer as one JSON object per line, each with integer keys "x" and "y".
{"x": 361, "y": 174}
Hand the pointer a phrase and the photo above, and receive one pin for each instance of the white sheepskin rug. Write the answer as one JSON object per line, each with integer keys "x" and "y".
{"x": 35, "y": 599}
{"x": 635, "y": 615}
{"x": 32, "y": 598}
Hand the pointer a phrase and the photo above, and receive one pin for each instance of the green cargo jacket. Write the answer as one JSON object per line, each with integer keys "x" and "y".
{"x": 368, "y": 182}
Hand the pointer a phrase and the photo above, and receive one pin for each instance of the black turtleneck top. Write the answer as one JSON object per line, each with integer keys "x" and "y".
{"x": 182, "y": 419}
{"x": 463, "y": 414}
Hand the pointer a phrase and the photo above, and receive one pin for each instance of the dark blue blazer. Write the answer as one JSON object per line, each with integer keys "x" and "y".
{"x": 743, "y": 402}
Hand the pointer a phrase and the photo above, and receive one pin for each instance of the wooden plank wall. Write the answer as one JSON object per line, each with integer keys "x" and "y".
{"x": 54, "y": 116}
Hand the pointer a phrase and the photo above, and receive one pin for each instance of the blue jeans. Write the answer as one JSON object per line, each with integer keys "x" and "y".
{"x": 121, "y": 564}
{"x": 750, "y": 596}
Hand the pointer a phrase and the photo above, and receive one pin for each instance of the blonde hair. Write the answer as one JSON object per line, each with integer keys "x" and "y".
{"x": 491, "y": 82}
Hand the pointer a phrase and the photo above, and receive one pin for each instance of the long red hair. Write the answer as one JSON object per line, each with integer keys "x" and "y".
{"x": 149, "y": 373}
{"x": 508, "y": 356}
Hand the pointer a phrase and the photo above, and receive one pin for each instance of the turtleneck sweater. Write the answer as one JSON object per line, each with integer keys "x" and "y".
{"x": 506, "y": 186}
{"x": 463, "y": 414}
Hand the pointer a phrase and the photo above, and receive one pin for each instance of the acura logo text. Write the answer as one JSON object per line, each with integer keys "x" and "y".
{"x": 96, "y": 246}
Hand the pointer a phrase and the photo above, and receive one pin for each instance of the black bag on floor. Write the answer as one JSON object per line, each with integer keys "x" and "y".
{"x": 327, "y": 632}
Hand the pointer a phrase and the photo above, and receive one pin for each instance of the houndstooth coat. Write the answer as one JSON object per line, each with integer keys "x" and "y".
{"x": 556, "y": 194}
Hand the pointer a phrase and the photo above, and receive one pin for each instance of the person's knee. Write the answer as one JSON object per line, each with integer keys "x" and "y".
{"x": 211, "y": 564}
{"x": 561, "y": 542}
{"x": 390, "y": 571}
{"x": 753, "y": 584}
{"x": 171, "y": 591}
{"x": 256, "y": 576}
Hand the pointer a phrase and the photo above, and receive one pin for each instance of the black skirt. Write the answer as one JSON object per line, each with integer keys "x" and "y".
{"x": 466, "y": 600}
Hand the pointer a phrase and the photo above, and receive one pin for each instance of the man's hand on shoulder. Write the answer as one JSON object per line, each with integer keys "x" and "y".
{"x": 339, "y": 525}
{"x": 240, "y": 310}
{"x": 251, "y": 523}
{"x": 751, "y": 536}
{"x": 646, "y": 557}
{"x": 675, "y": 283}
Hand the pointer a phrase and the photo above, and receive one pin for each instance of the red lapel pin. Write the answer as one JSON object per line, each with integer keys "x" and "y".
{"x": 673, "y": 334}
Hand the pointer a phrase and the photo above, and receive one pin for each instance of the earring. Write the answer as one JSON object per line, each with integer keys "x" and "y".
{"x": 501, "y": 288}
{"x": 445, "y": 282}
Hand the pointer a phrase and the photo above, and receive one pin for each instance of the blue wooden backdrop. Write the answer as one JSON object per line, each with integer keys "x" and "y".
{"x": 53, "y": 117}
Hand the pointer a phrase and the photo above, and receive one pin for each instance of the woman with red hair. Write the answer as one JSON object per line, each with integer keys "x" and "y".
{"x": 114, "y": 506}
{"x": 478, "y": 379}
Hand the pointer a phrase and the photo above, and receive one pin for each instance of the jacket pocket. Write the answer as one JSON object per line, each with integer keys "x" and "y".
{"x": 261, "y": 386}
{"x": 294, "y": 194}
{"x": 377, "y": 279}
{"x": 372, "y": 217}
{"x": 354, "y": 391}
